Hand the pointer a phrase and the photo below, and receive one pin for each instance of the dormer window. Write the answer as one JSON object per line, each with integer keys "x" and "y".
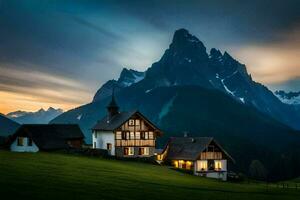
{"x": 131, "y": 122}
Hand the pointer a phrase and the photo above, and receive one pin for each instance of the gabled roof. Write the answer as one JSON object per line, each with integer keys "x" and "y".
{"x": 189, "y": 148}
{"x": 118, "y": 120}
{"x": 49, "y": 136}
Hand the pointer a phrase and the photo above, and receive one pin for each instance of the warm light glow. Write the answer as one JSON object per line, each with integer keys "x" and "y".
{"x": 176, "y": 164}
{"x": 272, "y": 63}
{"x": 218, "y": 165}
{"x": 202, "y": 165}
{"x": 188, "y": 164}
{"x": 33, "y": 90}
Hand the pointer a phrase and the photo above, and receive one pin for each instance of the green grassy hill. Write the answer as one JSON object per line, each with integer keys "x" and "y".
{"x": 56, "y": 176}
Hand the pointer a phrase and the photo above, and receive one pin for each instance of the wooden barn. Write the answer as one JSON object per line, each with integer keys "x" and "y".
{"x": 202, "y": 155}
{"x": 125, "y": 134}
{"x": 46, "y": 137}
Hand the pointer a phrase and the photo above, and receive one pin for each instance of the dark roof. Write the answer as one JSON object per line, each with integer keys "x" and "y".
{"x": 50, "y": 136}
{"x": 107, "y": 124}
{"x": 188, "y": 148}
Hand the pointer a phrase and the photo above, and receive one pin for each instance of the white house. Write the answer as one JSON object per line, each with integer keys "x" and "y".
{"x": 125, "y": 134}
{"x": 202, "y": 155}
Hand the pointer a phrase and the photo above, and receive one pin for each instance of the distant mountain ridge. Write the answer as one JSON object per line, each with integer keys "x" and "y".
{"x": 292, "y": 98}
{"x": 39, "y": 117}
{"x": 126, "y": 79}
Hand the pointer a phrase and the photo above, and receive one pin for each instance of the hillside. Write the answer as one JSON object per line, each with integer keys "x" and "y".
{"x": 7, "y": 126}
{"x": 54, "y": 176}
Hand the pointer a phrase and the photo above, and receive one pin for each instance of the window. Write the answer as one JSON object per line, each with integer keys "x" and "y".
{"x": 95, "y": 145}
{"x": 131, "y": 122}
{"x": 137, "y": 122}
{"x": 109, "y": 146}
{"x": 202, "y": 165}
{"x": 218, "y": 165}
{"x": 128, "y": 151}
{"x": 29, "y": 142}
{"x": 20, "y": 141}
{"x": 137, "y": 135}
{"x": 144, "y": 151}
{"x": 125, "y": 135}
{"x": 132, "y": 135}
{"x": 144, "y": 135}
{"x": 151, "y": 135}
{"x": 119, "y": 135}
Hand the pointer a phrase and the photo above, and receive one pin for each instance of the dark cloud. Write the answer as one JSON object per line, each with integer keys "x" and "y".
{"x": 90, "y": 41}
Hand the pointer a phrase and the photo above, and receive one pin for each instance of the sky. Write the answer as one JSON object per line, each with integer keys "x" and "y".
{"x": 59, "y": 52}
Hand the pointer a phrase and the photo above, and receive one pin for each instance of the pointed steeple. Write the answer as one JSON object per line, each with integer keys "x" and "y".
{"x": 112, "y": 107}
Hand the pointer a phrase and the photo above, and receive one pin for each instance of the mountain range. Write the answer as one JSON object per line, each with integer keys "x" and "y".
{"x": 39, "y": 117}
{"x": 292, "y": 98}
{"x": 189, "y": 90}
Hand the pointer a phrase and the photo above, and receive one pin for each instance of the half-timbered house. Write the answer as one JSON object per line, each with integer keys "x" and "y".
{"x": 202, "y": 155}
{"x": 125, "y": 134}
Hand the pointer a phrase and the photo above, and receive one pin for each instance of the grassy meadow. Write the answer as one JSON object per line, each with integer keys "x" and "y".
{"x": 59, "y": 176}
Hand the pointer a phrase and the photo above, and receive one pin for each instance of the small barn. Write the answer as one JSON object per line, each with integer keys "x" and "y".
{"x": 201, "y": 155}
{"x": 46, "y": 137}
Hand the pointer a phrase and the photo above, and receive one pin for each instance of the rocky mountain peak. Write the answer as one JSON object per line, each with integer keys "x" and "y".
{"x": 215, "y": 54}
{"x": 186, "y": 44}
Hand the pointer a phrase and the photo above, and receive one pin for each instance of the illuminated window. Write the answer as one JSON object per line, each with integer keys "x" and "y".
{"x": 202, "y": 165}
{"x": 20, "y": 141}
{"x": 144, "y": 135}
{"x": 144, "y": 151}
{"x": 137, "y": 135}
{"x": 137, "y": 122}
{"x": 132, "y": 135}
{"x": 131, "y": 122}
{"x": 188, "y": 165}
{"x": 218, "y": 165}
{"x": 176, "y": 164}
{"x": 125, "y": 135}
{"x": 151, "y": 135}
{"x": 119, "y": 135}
{"x": 128, "y": 151}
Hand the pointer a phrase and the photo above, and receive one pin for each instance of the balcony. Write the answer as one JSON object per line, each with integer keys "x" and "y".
{"x": 135, "y": 143}
{"x": 210, "y": 155}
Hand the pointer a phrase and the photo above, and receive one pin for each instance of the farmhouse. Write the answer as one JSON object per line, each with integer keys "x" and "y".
{"x": 202, "y": 155}
{"x": 125, "y": 134}
{"x": 46, "y": 137}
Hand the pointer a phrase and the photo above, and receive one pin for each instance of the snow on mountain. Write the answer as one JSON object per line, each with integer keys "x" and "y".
{"x": 39, "y": 117}
{"x": 292, "y": 98}
{"x": 126, "y": 79}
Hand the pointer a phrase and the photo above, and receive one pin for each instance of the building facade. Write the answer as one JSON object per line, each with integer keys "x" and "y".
{"x": 125, "y": 134}
{"x": 201, "y": 155}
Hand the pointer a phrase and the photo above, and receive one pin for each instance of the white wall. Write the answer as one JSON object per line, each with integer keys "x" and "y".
{"x": 217, "y": 175}
{"x": 104, "y": 137}
{"x": 14, "y": 146}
